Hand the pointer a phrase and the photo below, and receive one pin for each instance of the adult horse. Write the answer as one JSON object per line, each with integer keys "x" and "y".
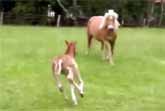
{"x": 103, "y": 29}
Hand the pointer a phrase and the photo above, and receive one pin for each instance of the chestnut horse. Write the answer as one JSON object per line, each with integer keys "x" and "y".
{"x": 103, "y": 29}
{"x": 67, "y": 65}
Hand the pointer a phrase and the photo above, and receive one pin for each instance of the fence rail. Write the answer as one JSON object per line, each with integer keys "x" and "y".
{"x": 61, "y": 20}
{"x": 40, "y": 19}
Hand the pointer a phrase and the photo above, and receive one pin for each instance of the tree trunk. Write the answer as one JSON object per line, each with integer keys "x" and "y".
{"x": 75, "y": 7}
{"x": 151, "y": 13}
{"x": 58, "y": 20}
{"x": 62, "y": 6}
{"x": 1, "y": 18}
{"x": 161, "y": 14}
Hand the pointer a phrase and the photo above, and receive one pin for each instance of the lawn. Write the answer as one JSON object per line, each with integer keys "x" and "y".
{"x": 135, "y": 83}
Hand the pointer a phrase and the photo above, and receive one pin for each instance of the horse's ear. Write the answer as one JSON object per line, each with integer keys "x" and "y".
{"x": 66, "y": 42}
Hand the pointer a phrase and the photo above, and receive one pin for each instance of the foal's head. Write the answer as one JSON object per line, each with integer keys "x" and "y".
{"x": 71, "y": 48}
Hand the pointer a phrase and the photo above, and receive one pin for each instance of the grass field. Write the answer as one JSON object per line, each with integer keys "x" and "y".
{"x": 135, "y": 83}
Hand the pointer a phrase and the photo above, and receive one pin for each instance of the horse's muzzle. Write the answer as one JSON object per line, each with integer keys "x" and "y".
{"x": 111, "y": 29}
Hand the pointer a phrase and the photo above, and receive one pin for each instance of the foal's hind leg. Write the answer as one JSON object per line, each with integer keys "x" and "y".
{"x": 56, "y": 67}
{"x": 81, "y": 83}
{"x": 73, "y": 85}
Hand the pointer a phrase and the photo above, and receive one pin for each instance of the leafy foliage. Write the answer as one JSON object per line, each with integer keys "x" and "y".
{"x": 131, "y": 11}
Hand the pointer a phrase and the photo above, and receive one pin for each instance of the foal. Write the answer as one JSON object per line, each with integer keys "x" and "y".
{"x": 66, "y": 64}
{"x": 103, "y": 29}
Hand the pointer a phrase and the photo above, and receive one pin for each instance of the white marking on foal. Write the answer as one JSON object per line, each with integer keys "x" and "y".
{"x": 58, "y": 69}
{"x": 58, "y": 66}
{"x": 72, "y": 85}
{"x": 81, "y": 85}
{"x": 73, "y": 94}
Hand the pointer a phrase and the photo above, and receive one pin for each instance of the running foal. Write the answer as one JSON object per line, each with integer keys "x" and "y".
{"x": 67, "y": 65}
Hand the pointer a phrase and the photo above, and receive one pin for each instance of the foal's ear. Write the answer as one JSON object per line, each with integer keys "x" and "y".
{"x": 66, "y": 42}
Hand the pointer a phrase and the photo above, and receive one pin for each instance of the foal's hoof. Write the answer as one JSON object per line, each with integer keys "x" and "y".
{"x": 66, "y": 98}
{"x": 75, "y": 104}
{"x": 61, "y": 89}
{"x": 86, "y": 53}
{"x": 112, "y": 64}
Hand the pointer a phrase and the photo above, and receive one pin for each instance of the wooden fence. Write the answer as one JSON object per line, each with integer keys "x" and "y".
{"x": 61, "y": 20}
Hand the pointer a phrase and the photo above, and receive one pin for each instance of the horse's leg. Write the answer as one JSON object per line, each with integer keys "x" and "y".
{"x": 109, "y": 52}
{"x": 89, "y": 42}
{"x": 105, "y": 54}
{"x": 112, "y": 42}
{"x": 102, "y": 45}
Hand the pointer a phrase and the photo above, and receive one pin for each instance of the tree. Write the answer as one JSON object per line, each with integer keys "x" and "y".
{"x": 161, "y": 13}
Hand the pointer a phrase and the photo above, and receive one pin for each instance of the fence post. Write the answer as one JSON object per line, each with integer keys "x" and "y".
{"x": 1, "y": 18}
{"x": 58, "y": 20}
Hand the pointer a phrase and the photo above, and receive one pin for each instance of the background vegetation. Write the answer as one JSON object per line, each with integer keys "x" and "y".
{"x": 132, "y": 12}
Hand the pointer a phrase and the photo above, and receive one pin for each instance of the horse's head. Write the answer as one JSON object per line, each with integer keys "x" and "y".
{"x": 71, "y": 47}
{"x": 110, "y": 21}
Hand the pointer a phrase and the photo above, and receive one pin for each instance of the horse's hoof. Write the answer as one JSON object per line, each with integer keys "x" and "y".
{"x": 112, "y": 63}
{"x": 82, "y": 95}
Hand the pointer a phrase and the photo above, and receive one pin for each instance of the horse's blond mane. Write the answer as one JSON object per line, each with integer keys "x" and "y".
{"x": 107, "y": 14}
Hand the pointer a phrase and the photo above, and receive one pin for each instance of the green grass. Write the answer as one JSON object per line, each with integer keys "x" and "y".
{"x": 135, "y": 83}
